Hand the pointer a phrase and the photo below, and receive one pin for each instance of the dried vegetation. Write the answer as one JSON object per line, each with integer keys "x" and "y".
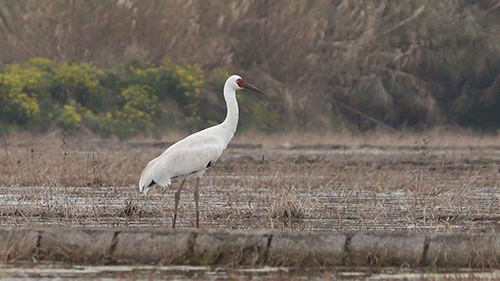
{"x": 442, "y": 183}
{"x": 351, "y": 64}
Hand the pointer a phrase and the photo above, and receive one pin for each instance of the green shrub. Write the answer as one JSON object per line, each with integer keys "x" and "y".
{"x": 20, "y": 88}
{"x": 126, "y": 100}
{"x": 81, "y": 83}
{"x": 70, "y": 119}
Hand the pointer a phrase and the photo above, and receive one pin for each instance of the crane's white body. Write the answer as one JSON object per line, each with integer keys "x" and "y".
{"x": 192, "y": 155}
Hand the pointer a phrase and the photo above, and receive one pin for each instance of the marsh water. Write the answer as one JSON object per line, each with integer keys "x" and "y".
{"x": 146, "y": 272}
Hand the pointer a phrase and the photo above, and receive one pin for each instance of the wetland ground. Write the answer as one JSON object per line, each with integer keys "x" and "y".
{"x": 438, "y": 184}
{"x": 416, "y": 183}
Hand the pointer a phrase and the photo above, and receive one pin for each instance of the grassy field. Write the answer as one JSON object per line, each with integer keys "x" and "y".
{"x": 436, "y": 183}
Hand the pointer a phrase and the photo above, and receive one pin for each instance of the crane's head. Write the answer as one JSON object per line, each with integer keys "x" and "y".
{"x": 237, "y": 83}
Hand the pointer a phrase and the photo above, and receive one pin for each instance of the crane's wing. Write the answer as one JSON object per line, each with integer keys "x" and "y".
{"x": 179, "y": 161}
{"x": 194, "y": 141}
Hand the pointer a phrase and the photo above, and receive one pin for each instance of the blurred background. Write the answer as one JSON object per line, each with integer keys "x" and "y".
{"x": 125, "y": 68}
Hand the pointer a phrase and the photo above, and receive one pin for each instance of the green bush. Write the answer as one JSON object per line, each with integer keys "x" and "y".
{"x": 125, "y": 100}
{"x": 80, "y": 83}
{"x": 69, "y": 119}
{"x": 20, "y": 89}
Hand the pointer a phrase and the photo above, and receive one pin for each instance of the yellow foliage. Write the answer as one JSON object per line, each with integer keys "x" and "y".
{"x": 26, "y": 104}
{"x": 18, "y": 89}
{"x": 191, "y": 78}
{"x": 122, "y": 101}
{"x": 74, "y": 74}
{"x": 17, "y": 78}
{"x": 41, "y": 63}
{"x": 136, "y": 115}
{"x": 70, "y": 118}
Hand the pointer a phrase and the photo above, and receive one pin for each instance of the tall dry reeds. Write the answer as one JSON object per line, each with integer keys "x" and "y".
{"x": 403, "y": 63}
{"x": 442, "y": 183}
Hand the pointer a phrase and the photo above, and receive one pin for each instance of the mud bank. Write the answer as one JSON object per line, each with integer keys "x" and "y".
{"x": 249, "y": 248}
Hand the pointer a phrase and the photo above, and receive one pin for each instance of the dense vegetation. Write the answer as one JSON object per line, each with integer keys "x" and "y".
{"x": 131, "y": 99}
{"x": 325, "y": 64}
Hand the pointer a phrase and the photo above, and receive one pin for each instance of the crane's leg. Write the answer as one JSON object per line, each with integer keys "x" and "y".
{"x": 196, "y": 201}
{"x": 177, "y": 198}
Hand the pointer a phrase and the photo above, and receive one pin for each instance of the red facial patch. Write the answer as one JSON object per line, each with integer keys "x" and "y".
{"x": 240, "y": 83}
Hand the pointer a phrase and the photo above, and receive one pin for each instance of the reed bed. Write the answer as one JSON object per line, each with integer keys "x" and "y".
{"x": 447, "y": 187}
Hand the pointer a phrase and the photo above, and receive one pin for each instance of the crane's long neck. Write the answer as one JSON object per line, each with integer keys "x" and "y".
{"x": 231, "y": 121}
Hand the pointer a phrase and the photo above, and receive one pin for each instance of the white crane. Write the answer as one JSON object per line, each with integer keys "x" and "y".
{"x": 192, "y": 155}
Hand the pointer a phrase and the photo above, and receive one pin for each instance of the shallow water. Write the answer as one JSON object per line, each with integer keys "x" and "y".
{"x": 60, "y": 271}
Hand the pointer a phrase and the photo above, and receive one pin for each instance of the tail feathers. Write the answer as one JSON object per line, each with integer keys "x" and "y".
{"x": 147, "y": 177}
{"x": 145, "y": 183}
{"x": 153, "y": 174}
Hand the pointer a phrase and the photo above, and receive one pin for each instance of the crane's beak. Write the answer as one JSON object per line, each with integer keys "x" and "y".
{"x": 245, "y": 85}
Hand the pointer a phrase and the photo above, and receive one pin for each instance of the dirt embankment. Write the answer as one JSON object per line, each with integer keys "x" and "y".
{"x": 249, "y": 248}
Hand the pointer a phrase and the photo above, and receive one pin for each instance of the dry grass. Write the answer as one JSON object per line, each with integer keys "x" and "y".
{"x": 52, "y": 160}
{"x": 389, "y": 60}
{"x": 434, "y": 138}
{"x": 432, "y": 185}
{"x": 288, "y": 205}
